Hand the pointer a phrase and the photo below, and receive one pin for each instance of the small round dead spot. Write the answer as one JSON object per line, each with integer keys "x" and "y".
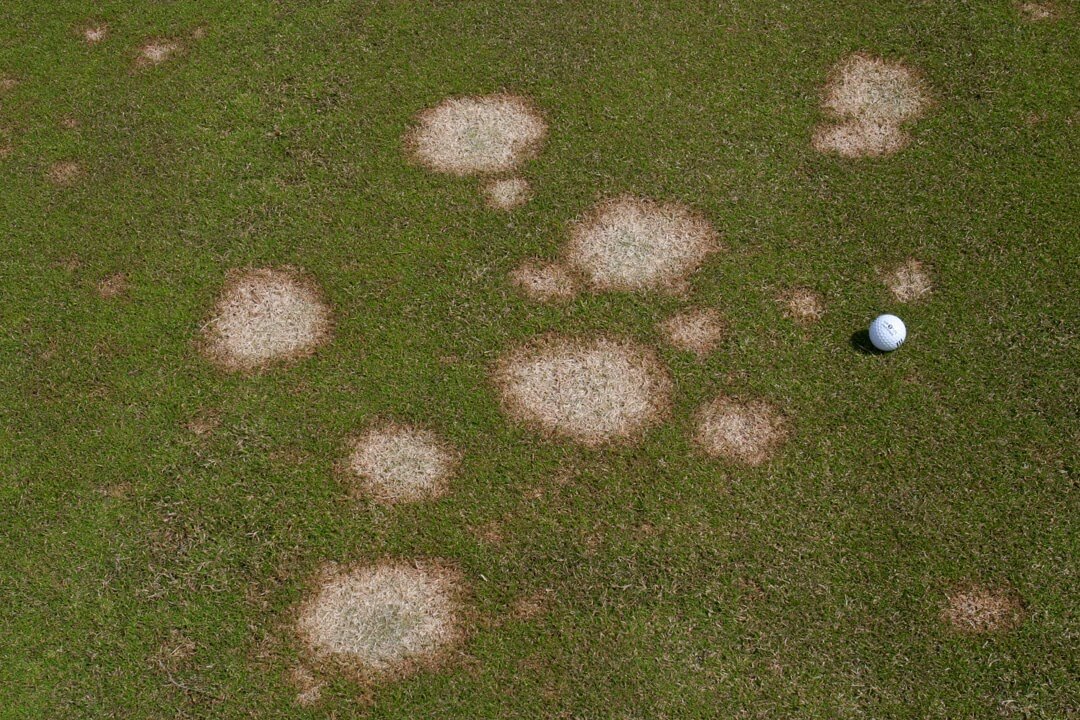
{"x": 631, "y": 243}
{"x": 507, "y": 193}
{"x": 266, "y": 315}
{"x": 803, "y": 305}
{"x": 544, "y": 282}
{"x": 1038, "y": 11}
{"x": 748, "y": 432}
{"x": 979, "y": 609}
{"x": 698, "y": 330}
{"x": 401, "y": 463}
{"x": 387, "y": 618}
{"x": 308, "y": 687}
{"x": 910, "y": 281}
{"x": 174, "y": 652}
{"x": 113, "y": 286}
{"x": 592, "y": 391}
{"x": 860, "y": 138}
{"x": 64, "y": 173}
{"x": 155, "y": 52}
{"x": 70, "y": 123}
{"x": 477, "y": 134}
{"x": 93, "y": 33}
{"x": 7, "y": 83}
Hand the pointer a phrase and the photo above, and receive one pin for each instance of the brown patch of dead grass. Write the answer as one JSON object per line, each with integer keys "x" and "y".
{"x": 477, "y": 134}
{"x": 64, "y": 173}
{"x": 93, "y": 33}
{"x": 7, "y": 83}
{"x": 308, "y": 687}
{"x": 391, "y": 618}
{"x": 978, "y": 609}
{"x": 697, "y": 330}
{"x": 544, "y": 282}
{"x": 803, "y": 305}
{"x": 507, "y": 193}
{"x": 157, "y": 51}
{"x": 633, "y": 243}
{"x": 401, "y": 463}
{"x": 593, "y": 391}
{"x": 745, "y": 431}
{"x": 909, "y": 281}
{"x": 113, "y": 286}
{"x": 1039, "y": 11}
{"x": 265, "y": 316}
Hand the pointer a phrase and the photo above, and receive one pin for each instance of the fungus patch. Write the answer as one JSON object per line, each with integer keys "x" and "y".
{"x": 401, "y": 463}
{"x": 155, "y": 52}
{"x": 112, "y": 286}
{"x": 94, "y": 33}
{"x": 592, "y": 391}
{"x": 544, "y": 282}
{"x": 698, "y": 330}
{"x": 978, "y": 609}
{"x": 747, "y": 432}
{"x": 910, "y": 281}
{"x": 64, "y": 173}
{"x": 803, "y": 305}
{"x": 1037, "y": 11}
{"x": 507, "y": 193}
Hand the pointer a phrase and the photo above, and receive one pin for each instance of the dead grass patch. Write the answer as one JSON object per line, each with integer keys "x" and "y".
{"x": 93, "y": 33}
{"x": 477, "y": 134}
{"x": 7, "y": 83}
{"x": 544, "y": 282}
{"x": 745, "y": 431}
{"x": 858, "y": 138}
{"x": 264, "y": 316}
{"x": 390, "y": 618}
{"x": 308, "y": 687}
{"x": 507, "y": 193}
{"x": 1037, "y": 11}
{"x": 402, "y": 463}
{"x": 978, "y": 609}
{"x": 174, "y": 653}
{"x": 593, "y": 391}
{"x": 909, "y": 281}
{"x": 698, "y": 330}
{"x": 155, "y": 52}
{"x": 632, "y": 243}
{"x": 803, "y": 305}
{"x": 113, "y": 286}
{"x": 70, "y": 123}
{"x": 64, "y": 173}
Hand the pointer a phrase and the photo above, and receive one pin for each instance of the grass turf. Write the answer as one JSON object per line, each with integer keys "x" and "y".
{"x": 679, "y": 587}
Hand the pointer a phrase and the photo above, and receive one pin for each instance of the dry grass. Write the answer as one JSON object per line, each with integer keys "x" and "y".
{"x": 910, "y": 281}
{"x": 870, "y": 99}
{"x": 308, "y": 687}
{"x": 631, "y": 243}
{"x": 544, "y": 282}
{"x": 1037, "y": 11}
{"x": 507, "y": 193}
{"x": 70, "y": 123}
{"x": 803, "y": 305}
{"x": 390, "y": 618}
{"x": 477, "y": 134}
{"x": 155, "y": 52}
{"x": 698, "y": 330}
{"x": 747, "y": 432}
{"x": 64, "y": 173}
{"x": 113, "y": 286}
{"x": 401, "y": 463}
{"x": 592, "y": 391}
{"x": 7, "y": 83}
{"x": 264, "y": 316}
{"x": 978, "y": 609}
{"x": 93, "y": 33}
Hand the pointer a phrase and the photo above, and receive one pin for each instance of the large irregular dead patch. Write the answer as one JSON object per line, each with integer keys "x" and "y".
{"x": 477, "y": 134}
{"x": 544, "y": 282}
{"x": 266, "y": 315}
{"x": 979, "y": 609}
{"x": 386, "y": 618}
{"x": 698, "y": 330}
{"x": 507, "y": 193}
{"x": 870, "y": 100}
{"x": 745, "y": 431}
{"x": 803, "y": 305}
{"x": 909, "y": 281}
{"x": 401, "y": 463}
{"x": 632, "y": 243}
{"x": 593, "y": 391}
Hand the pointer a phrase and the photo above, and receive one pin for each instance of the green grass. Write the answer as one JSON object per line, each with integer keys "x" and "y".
{"x": 807, "y": 588}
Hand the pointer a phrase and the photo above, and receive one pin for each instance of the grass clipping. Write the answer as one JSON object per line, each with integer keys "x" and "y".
{"x": 747, "y": 432}
{"x": 592, "y": 391}
{"x": 265, "y": 316}
{"x": 401, "y": 463}
{"x": 870, "y": 99}
{"x": 477, "y": 134}
{"x": 632, "y": 243}
{"x": 386, "y": 618}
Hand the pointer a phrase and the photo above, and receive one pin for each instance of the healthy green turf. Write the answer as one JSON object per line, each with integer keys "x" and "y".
{"x": 677, "y": 587}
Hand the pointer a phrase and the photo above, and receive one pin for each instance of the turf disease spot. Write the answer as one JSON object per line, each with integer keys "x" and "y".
{"x": 7, "y": 83}
{"x": 803, "y": 305}
{"x": 909, "y": 282}
{"x": 387, "y": 618}
{"x": 93, "y": 34}
{"x": 744, "y": 431}
{"x": 477, "y": 134}
{"x": 593, "y": 391}
{"x": 309, "y": 688}
{"x": 155, "y": 52}
{"x": 630, "y": 243}
{"x": 544, "y": 282}
{"x": 870, "y": 100}
{"x": 264, "y": 316}
{"x": 64, "y": 173}
{"x": 507, "y": 193}
{"x": 698, "y": 330}
{"x": 112, "y": 286}
{"x": 1036, "y": 11}
{"x": 981, "y": 609}
{"x": 397, "y": 463}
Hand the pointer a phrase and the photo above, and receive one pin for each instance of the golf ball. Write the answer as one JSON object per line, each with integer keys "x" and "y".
{"x": 887, "y": 332}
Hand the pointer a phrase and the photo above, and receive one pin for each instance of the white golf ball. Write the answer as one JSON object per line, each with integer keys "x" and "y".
{"x": 887, "y": 332}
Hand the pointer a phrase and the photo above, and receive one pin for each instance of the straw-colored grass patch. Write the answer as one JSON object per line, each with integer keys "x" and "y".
{"x": 1038, "y": 11}
{"x": 747, "y": 432}
{"x": 910, "y": 281}
{"x": 977, "y": 609}
{"x": 507, "y": 193}
{"x": 698, "y": 330}
{"x": 592, "y": 391}
{"x": 477, "y": 134}
{"x": 378, "y": 619}
{"x": 64, "y": 173}
{"x": 308, "y": 687}
{"x": 859, "y": 138}
{"x": 93, "y": 33}
{"x": 113, "y": 286}
{"x": 544, "y": 282}
{"x": 155, "y": 52}
{"x": 7, "y": 83}
{"x": 264, "y": 316}
{"x": 803, "y": 305}
{"x": 401, "y": 463}
{"x": 631, "y": 243}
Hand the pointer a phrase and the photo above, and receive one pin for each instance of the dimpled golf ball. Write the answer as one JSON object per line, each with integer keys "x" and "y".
{"x": 887, "y": 332}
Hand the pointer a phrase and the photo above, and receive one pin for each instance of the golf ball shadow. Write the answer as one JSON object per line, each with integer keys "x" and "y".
{"x": 860, "y": 340}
